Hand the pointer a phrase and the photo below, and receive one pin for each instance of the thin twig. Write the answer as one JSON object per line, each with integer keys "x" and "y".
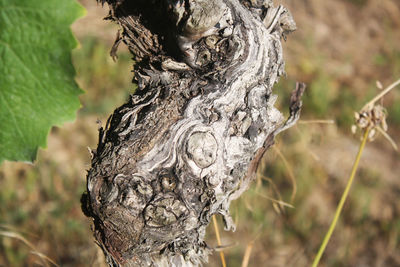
{"x": 342, "y": 201}
{"x": 275, "y": 189}
{"x": 221, "y": 253}
{"x": 45, "y": 259}
{"x": 381, "y": 94}
{"x": 290, "y": 172}
{"x": 391, "y": 141}
{"x": 280, "y": 202}
{"x": 246, "y": 257}
{"x": 316, "y": 121}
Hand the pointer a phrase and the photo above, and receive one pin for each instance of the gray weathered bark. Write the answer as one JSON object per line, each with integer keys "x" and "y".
{"x": 189, "y": 140}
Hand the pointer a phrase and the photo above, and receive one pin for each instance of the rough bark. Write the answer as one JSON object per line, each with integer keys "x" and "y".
{"x": 189, "y": 140}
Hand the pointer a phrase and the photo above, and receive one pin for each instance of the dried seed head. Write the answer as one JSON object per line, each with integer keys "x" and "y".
{"x": 379, "y": 85}
{"x": 372, "y": 135}
{"x": 353, "y": 129}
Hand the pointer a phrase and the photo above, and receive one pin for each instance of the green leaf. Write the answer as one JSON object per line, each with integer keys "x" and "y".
{"x": 37, "y": 85}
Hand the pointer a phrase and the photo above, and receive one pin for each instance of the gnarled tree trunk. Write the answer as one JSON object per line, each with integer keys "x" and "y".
{"x": 189, "y": 140}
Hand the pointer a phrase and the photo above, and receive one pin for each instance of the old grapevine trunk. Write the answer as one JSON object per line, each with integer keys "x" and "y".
{"x": 189, "y": 140}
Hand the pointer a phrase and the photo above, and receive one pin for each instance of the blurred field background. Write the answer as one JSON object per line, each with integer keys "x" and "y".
{"x": 340, "y": 49}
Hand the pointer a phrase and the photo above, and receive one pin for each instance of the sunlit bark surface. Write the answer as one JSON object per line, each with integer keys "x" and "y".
{"x": 189, "y": 140}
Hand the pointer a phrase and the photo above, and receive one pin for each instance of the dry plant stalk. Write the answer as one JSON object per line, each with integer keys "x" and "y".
{"x": 216, "y": 229}
{"x": 371, "y": 117}
{"x": 189, "y": 140}
{"x": 246, "y": 257}
{"x": 14, "y": 235}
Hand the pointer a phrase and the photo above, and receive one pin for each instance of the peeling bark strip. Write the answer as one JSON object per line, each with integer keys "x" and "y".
{"x": 180, "y": 150}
